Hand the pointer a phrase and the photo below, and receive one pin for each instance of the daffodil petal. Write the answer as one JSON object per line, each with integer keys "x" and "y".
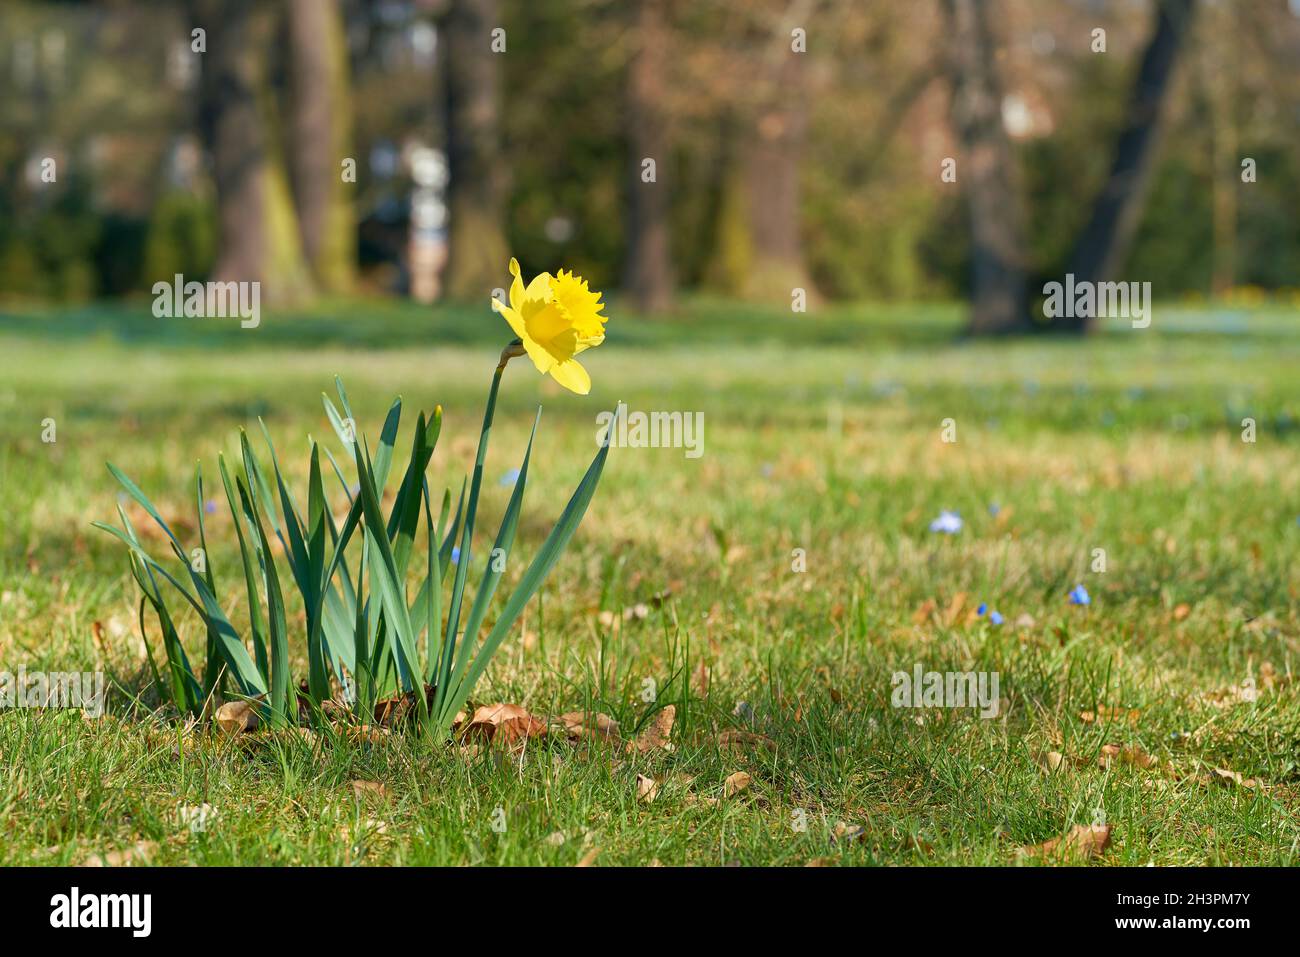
{"x": 516, "y": 287}
{"x": 589, "y": 343}
{"x": 541, "y": 358}
{"x": 572, "y": 376}
{"x": 540, "y": 287}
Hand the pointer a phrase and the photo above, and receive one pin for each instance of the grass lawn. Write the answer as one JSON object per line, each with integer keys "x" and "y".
{"x": 1167, "y": 708}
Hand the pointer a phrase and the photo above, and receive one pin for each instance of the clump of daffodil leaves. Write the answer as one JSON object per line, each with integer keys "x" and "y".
{"x": 381, "y": 623}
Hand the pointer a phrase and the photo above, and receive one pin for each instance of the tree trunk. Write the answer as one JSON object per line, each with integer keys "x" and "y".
{"x": 1104, "y": 244}
{"x": 772, "y": 166}
{"x": 757, "y": 243}
{"x": 477, "y": 253}
{"x": 649, "y": 270}
{"x": 257, "y": 233}
{"x": 986, "y": 172}
{"x": 321, "y": 134}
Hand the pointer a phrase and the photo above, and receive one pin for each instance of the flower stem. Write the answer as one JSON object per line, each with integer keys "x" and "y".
{"x": 515, "y": 348}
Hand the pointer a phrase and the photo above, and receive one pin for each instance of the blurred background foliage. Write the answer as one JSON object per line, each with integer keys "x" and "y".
{"x": 771, "y": 172}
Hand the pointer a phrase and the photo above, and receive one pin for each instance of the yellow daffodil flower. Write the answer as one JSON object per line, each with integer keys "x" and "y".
{"x": 555, "y": 317}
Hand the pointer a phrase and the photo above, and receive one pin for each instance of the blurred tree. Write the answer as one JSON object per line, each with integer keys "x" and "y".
{"x": 476, "y": 242}
{"x": 648, "y": 273}
{"x": 258, "y": 237}
{"x": 1106, "y": 241}
{"x": 759, "y": 68}
{"x": 320, "y": 139}
{"x": 987, "y": 172}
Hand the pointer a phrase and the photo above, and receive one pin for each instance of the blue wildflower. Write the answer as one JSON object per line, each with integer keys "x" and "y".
{"x": 510, "y": 478}
{"x": 981, "y": 609}
{"x": 1079, "y": 596}
{"x": 996, "y": 617}
{"x": 210, "y": 506}
{"x": 949, "y": 523}
{"x": 455, "y": 554}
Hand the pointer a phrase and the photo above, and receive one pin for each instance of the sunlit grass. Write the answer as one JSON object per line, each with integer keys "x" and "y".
{"x": 1130, "y": 443}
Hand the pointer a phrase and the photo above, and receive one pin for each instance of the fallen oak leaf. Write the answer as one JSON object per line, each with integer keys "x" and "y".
{"x": 138, "y": 853}
{"x": 735, "y": 783}
{"x": 1129, "y": 754}
{"x": 237, "y": 717}
{"x": 647, "y": 788}
{"x": 739, "y": 740}
{"x": 1224, "y": 776}
{"x": 847, "y": 833}
{"x": 655, "y": 736}
{"x": 591, "y": 725}
{"x": 1082, "y": 841}
{"x": 504, "y": 724}
{"x": 1049, "y": 761}
{"x": 954, "y": 609}
{"x": 366, "y": 734}
{"x": 701, "y": 679}
{"x": 364, "y": 789}
{"x": 1108, "y": 713}
{"x": 923, "y": 611}
{"x": 197, "y": 817}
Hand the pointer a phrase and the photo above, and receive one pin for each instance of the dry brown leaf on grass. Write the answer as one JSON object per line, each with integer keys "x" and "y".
{"x": 138, "y": 853}
{"x": 1085, "y": 841}
{"x": 237, "y": 717}
{"x": 655, "y": 736}
{"x": 1049, "y": 760}
{"x": 504, "y": 724}
{"x": 197, "y": 817}
{"x": 1127, "y": 754}
{"x": 847, "y": 833}
{"x": 366, "y": 734}
{"x": 647, "y": 789}
{"x": 1226, "y": 777}
{"x": 740, "y": 740}
{"x": 701, "y": 679}
{"x": 924, "y": 611}
{"x": 954, "y": 609}
{"x": 692, "y": 799}
{"x": 1107, "y": 755}
{"x": 367, "y": 789}
{"x": 1110, "y": 714}
{"x": 590, "y": 725}
{"x": 735, "y": 783}
{"x": 1245, "y": 693}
